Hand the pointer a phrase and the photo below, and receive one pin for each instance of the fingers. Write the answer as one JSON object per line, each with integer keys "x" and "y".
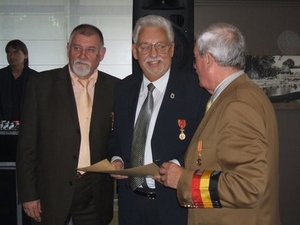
{"x": 118, "y": 165}
{"x": 170, "y": 174}
{"x": 157, "y": 178}
{"x": 118, "y": 177}
{"x": 33, "y": 210}
{"x": 164, "y": 168}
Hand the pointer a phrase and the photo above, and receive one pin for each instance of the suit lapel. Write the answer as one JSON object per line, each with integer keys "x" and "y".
{"x": 133, "y": 93}
{"x": 64, "y": 85}
{"x": 169, "y": 103}
{"x": 99, "y": 101}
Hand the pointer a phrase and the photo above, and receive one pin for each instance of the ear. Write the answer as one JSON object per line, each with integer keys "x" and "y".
{"x": 102, "y": 53}
{"x": 208, "y": 59}
{"x": 134, "y": 51}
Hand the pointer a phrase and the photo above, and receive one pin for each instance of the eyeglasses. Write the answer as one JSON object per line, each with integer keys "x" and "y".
{"x": 145, "y": 48}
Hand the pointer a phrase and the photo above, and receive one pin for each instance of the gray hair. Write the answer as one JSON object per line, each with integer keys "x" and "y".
{"x": 153, "y": 21}
{"x": 225, "y": 43}
{"x": 87, "y": 30}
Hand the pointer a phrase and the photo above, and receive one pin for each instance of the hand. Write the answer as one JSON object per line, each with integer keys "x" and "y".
{"x": 33, "y": 210}
{"x": 170, "y": 174}
{"x": 118, "y": 165}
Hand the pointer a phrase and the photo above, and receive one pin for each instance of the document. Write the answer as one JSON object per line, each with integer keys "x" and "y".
{"x": 105, "y": 166}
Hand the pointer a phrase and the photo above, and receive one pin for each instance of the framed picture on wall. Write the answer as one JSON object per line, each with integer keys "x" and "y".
{"x": 278, "y": 76}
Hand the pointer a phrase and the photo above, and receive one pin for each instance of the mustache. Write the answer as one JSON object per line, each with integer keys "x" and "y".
{"x": 151, "y": 59}
{"x": 82, "y": 61}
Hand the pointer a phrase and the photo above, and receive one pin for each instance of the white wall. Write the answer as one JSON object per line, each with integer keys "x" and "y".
{"x": 44, "y": 26}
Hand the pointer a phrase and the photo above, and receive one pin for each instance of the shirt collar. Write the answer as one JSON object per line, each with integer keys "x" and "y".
{"x": 225, "y": 83}
{"x": 160, "y": 84}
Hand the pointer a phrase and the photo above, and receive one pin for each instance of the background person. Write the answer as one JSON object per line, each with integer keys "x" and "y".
{"x": 179, "y": 105}
{"x": 13, "y": 79}
{"x": 231, "y": 165}
{"x": 51, "y": 140}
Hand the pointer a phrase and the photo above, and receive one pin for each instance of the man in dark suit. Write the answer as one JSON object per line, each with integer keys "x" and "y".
{"x": 179, "y": 105}
{"x": 231, "y": 166}
{"x": 51, "y": 138}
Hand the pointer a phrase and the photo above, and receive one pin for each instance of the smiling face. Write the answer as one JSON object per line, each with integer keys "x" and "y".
{"x": 153, "y": 64}
{"x": 85, "y": 53}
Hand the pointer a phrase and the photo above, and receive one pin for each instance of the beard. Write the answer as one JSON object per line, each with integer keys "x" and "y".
{"x": 81, "y": 70}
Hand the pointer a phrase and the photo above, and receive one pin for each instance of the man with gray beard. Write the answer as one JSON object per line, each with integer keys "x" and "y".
{"x": 65, "y": 125}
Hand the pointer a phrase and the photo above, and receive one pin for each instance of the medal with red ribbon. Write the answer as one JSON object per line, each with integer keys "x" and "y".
{"x": 182, "y": 125}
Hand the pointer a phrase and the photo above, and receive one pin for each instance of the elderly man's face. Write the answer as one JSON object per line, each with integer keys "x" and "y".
{"x": 154, "y": 63}
{"x": 85, "y": 54}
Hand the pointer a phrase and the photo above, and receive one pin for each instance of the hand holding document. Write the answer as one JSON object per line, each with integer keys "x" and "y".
{"x": 105, "y": 166}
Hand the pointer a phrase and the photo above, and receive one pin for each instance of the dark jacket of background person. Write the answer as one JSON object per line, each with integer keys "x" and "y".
{"x": 12, "y": 93}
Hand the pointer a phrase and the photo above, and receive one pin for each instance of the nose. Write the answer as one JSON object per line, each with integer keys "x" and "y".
{"x": 82, "y": 54}
{"x": 153, "y": 51}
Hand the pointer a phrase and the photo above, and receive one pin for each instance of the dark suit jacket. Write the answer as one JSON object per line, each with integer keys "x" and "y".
{"x": 49, "y": 142}
{"x": 183, "y": 99}
{"x": 240, "y": 138}
{"x": 6, "y": 100}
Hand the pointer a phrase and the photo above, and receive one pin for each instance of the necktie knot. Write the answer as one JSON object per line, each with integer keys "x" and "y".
{"x": 151, "y": 87}
{"x": 84, "y": 82}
